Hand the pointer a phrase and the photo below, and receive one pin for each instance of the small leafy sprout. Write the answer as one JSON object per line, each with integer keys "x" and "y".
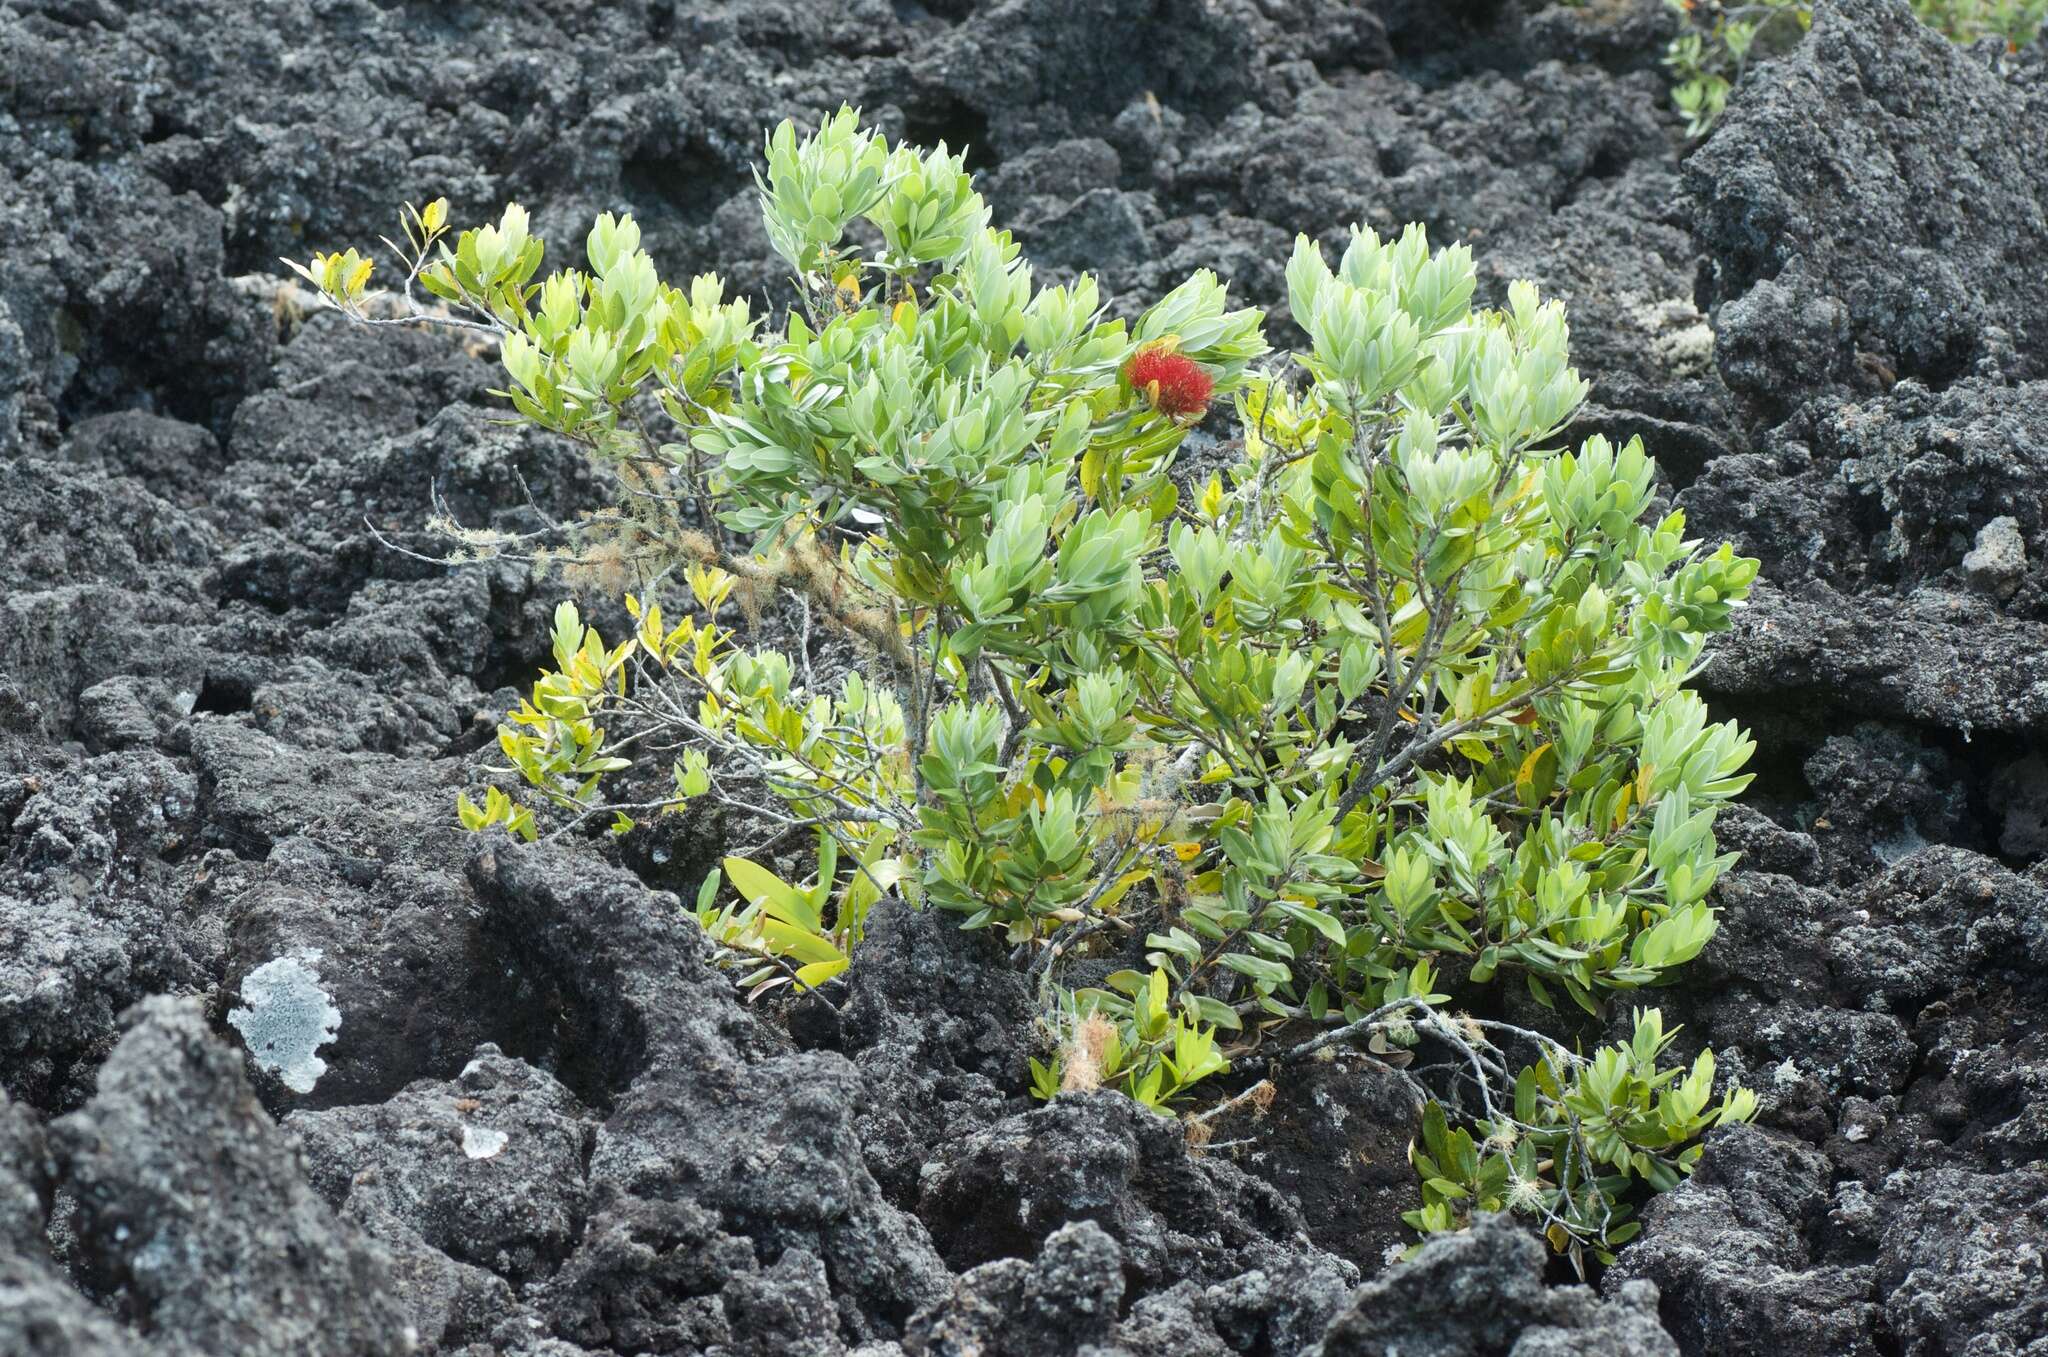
{"x": 343, "y": 279}
{"x": 1714, "y": 48}
{"x": 801, "y": 934}
{"x": 497, "y": 809}
{"x": 1571, "y": 1122}
{"x": 1128, "y": 1038}
{"x": 1389, "y": 713}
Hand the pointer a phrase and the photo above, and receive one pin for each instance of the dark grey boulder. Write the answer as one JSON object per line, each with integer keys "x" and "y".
{"x": 181, "y": 1180}
{"x": 1868, "y": 203}
{"x": 1481, "y": 1292}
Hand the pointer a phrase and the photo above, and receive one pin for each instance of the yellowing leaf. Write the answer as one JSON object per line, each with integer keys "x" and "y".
{"x": 797, "y": 943}
{"x": 1537, "y": 776}
{"x": 1116, "y": 893}
{"x": 818, "y": 972}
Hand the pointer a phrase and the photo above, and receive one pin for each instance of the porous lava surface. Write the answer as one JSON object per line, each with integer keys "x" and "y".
{"x": 232, "y": 721}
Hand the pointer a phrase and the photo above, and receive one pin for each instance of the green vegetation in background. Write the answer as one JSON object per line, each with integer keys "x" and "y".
{"x": 1720, "y": 40}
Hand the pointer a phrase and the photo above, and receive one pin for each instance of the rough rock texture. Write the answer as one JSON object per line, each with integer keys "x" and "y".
{"x": 711, "y": 1117}
{"x": 86, "y": 912}
{"x": 232, "y": 719}
{"x": 1876, "y": 970}
{"x": 444, "y": 1158}
{"x": 181, "y": 1182}
{"x": 1911, "y": 265}
{"x": 41, "y": 1313}
{"x": 1062, "y": 1301}
{"x": 1104, "y": 1158}
{"x": 1483, "y": 1292}
{"x": 1887, "y": 1028}
{"x": 937, "y": 1030}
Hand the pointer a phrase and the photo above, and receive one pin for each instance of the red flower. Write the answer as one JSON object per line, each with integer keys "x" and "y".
{"x": 1171, "y": 383}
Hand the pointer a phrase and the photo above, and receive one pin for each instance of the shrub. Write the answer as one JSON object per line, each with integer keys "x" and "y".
{"x": 1391, "y": 711}
{"x": 1711, "y": 52}
{"x": 1709, "y": 56}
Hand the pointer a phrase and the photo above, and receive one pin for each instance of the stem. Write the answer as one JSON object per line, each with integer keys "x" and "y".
{"x": 1261, "y": 1091}
{"x": 1017, "y": 721}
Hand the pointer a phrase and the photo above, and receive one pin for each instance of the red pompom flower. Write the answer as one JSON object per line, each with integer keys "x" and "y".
{"x": 1171, "y": 383}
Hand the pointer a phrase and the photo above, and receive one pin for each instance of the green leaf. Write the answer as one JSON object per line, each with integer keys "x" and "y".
{"x": 1212, "y": 1011}
{"x": 1270, "y": 974}
{"x": 1321, "y": 921}
{"x": 1127, "y": 983}
{"x": 1151, "y": 1007}
{"x": 762, "y": 887}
